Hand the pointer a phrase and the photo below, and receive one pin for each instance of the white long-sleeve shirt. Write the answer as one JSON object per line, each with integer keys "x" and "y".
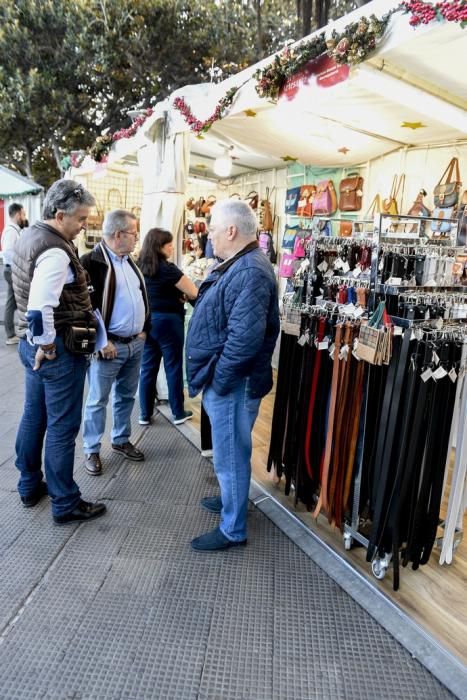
{"x": 9, "y": 237}
{"x": 52, "y": 271}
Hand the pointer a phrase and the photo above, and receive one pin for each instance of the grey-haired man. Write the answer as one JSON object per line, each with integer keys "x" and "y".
{"x": 51, "y": 292}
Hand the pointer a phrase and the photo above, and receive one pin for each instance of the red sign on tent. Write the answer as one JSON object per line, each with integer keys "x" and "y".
{"x": 322, "y": 71}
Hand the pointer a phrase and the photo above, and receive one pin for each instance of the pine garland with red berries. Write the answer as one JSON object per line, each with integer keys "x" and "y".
{"x": 199, "y": 126}
{"x": 425, "y": 12}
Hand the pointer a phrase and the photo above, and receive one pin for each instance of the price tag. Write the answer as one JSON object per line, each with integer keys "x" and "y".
{"x": 398, "y": 330}
{"x": 453, "y": 375}
{"x": 338, "y": 264}
{"x": 331, "y": 351}
{"x": 322, "y": 267}
{"x": 344, "y": 352}
{"x": 323, "y": 345}
{"x": 440, "y": 373}
{"x": 435, "y": 358}
{"x": 426, "y": 375}
{"x": 303, "y": 339}
{"x": 349, "y": 308}
{"x": 328, "y": 273}
{"x": 357, "y": 271}
{"x": 359, "y": 311}
{"x": 345, "y": 267}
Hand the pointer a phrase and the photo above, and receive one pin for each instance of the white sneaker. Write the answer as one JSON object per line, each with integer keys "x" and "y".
{"x": 144, "y": 421}
{"x": 207, "y": 453}
{"x": 13, "y": 340}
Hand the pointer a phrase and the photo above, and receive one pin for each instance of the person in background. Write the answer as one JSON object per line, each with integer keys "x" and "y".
{"x": 9, "y": 237}
{"x": 119, "y": 293}
{"x": 168, "y": 288}
{"x": 230, "y": 342}
{"x": 51, "y": 291}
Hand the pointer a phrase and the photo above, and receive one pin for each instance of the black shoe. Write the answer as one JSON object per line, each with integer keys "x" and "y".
{"x": 84, "y": 511}
{"x": 38, "y": 494}
{"x": 186, "y": 415}
{"x": 93, "y": 464}
{"x": 212, "y": 503}
{"x": 129, "y": 451}
{"x": 214, "y": 541}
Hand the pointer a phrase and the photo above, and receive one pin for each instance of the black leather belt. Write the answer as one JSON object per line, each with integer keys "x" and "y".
{"x": 120, "y": 339}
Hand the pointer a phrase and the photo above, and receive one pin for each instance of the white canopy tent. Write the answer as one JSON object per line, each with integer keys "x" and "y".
{"x": 410, "y": 94}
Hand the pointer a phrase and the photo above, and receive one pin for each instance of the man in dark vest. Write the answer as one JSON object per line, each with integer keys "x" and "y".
{"x": 51, "y": 292}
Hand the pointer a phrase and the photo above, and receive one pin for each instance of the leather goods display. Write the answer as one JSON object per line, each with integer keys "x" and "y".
{"x": 345, "y": 229}
{"x": 305, "y": 202}
{"x": 198, "y": 207}
{"x": 81, "y": 341}
{"x": 391, "y": 204}
{"x": 351, "y": 193}
{"x": 462, "y": 221}
{"x": 199, "y": 227}
{"x": 291, "y": 200}
{"x": 252, "y": 198}
{"x": 325, "y": 199}
{"x": 446, "y": 192}
{"x": 418, "y": 208}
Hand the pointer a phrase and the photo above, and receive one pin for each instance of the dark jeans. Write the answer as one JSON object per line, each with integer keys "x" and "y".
{"x": 10, "y": 304}
{"x": 52, "y": 405}
{"x": 165, "y": 340}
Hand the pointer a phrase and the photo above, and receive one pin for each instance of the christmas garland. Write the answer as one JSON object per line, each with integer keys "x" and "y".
{"x": 197, "y": 125}
{"x": 426, "y": 12}
{"x": 351, "y": 46}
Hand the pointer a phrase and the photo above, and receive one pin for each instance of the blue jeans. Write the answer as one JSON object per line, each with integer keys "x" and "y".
{"x": 232, "y": 419}
{"x": 164, "y": 340}
{"x": 121, "y": 376}
{"x": 52, "y": 409}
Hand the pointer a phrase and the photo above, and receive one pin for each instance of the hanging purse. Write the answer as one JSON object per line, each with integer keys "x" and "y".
{"x": 351, "y": 193}
{"x": 462, "y": 221}
{"x": 325, "y": 199}
{"x": 289, "y": 236}
{"x": 446, "y": 192}
{"x": 390, "y": 205}
{"x": 291, "y": 200}
{"x": 206, "y": 206}
{"x": 287, "y": 265}
{"x": 440, "y": 227}
{"x": 418, "y": 208}
{"x": 374, "y": 208}
{"x": 198, "y": 207}
{"x": 267, "y": 218}
{"x": 252, "y": 199}
{"x": 345, "y": 229}
{"x": 305, "y": 202}
{"x": 190, "y": 204}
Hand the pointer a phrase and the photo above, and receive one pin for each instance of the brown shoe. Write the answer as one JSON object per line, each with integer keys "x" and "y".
{"x": 129, "y": 451}
{"x": 93, "y": 464}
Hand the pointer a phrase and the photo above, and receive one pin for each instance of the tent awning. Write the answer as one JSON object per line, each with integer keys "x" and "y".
{"x": 14, "y": 185}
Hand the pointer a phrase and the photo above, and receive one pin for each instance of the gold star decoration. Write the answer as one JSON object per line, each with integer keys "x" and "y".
{"x": 413, "y": 125}
{"x": 343, "y": 150}
{"x": 289, "y": 159}
{"x": 200, "y": 137}
{"x": 250, "y": 113}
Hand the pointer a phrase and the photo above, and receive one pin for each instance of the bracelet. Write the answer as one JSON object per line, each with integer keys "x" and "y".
{"x": 49, "y": 351}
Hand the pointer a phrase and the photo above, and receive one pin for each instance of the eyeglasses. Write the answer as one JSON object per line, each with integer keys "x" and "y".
{"x": 131, "y": 233}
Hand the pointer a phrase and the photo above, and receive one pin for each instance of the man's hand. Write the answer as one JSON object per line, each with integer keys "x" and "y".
{"x": 142, "y": 335}
{"x": 109, "y": 351}
{"x": 44, "y": 353}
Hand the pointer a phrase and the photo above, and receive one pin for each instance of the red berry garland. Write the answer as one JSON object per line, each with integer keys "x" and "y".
{"x": 131, "y": 131}
{"x": 425, "y": 12}
{"x": 197, "y": 125}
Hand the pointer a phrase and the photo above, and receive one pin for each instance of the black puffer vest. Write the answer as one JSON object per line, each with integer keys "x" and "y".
{"x": 75, "y": 304}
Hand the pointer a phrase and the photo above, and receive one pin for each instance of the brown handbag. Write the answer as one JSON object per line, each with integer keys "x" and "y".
{"x": 206, "y": 207}
{"x": 351, "y": 193}
{"x": 345, "y": 229}
{"x": 190, "y": 203}
{"x": 305, "y": 201}
{"x": 252, "y": 199}
{"x": 198, "y": 207}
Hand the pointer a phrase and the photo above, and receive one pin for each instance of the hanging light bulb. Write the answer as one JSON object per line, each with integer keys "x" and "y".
{"x": 223, "y": 165}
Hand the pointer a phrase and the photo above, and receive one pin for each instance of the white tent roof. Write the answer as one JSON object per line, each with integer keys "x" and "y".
{"x": 417, "y": 78}
{"x": 12, "y": 184}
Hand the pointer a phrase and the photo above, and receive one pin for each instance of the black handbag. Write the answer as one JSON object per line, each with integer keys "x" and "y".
{"x": 81, "y": 341}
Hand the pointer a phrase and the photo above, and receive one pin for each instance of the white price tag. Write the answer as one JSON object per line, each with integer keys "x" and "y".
{"x": 440, "y": 373}
{"x": 331, "y": 351}
{"x": 435, "y": 358}
{"x": 453, "y": 375}
{"x": 357, "y": 271}
{"x": 323, "y": 345}
{"x": 328, "y": 273}
{"x": 344, "y": 352}
{"x": 345, "y": 267}
{"x": 394, "y": 281}
{"x": 303, "y": 339}
{"x": 359, "y": 311}
{"x": 338, "y": 264}
{"x": 398, "y": 330}
{"x": 322, "y": 267}
{"x": 426, "y": 375}
{"x": 349, "y": 308}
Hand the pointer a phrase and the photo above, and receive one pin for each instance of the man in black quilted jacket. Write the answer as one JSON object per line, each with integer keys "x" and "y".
{"x": 230, "y": 341}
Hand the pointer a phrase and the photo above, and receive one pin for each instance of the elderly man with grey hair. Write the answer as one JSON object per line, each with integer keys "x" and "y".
{"x": 52, "y": 295}
{"x": 119, "y": 293}
{"x": 229, "y": 346}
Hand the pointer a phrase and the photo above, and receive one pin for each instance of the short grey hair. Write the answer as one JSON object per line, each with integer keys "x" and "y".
{"x": 67, "y": 196}
{"x": 116, "y": 220}
{"x": 234, "y": 212}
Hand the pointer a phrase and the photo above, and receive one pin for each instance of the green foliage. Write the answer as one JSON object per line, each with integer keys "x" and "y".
{"x": 71, "y": 69}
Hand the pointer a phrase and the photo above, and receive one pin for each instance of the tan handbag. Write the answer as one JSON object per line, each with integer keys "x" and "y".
{"x": 190, "y": 203}
{"x": 351, "y": 193}
{"x": 206, "y": 207}
{"x": 252, "y": 199}
{"x": 374, "y": 208}
{"x": 390, "y": 205}
{"x": 345, "y": 229}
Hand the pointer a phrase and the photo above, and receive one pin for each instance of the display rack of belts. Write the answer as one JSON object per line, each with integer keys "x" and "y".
{"x": 362, "y": 430}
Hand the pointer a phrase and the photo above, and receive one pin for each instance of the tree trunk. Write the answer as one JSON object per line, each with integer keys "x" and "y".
{"x": 259, "y": 31}
{"x": 28, "y": 160}
{"x": 57, "y": 156}
{"x": 321, "y": 13}
{"x": 307, "y": 7}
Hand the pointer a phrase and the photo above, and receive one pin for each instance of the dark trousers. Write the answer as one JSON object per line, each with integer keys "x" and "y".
{"x": 165, "y": 340}
{"x": 10, "y": 304}
{"x": 206, "y": 434}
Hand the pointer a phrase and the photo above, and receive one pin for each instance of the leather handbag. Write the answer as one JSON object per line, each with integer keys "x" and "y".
{"x": 374, "y": 208}
{"x": 81, "y": 341}
{"x": 446, "y": 192}
{"x": 291, "y": 200}
{"x": 267, "y": 218}
{"x": 351, "y": 193}
{"x": 190, "y": 204}
{"x": 345, "y": 229}
{"x": 418, "y": 208}
{"x": 325, "y": 199}
{"x": 206, "y": 206}
{"x": 440, "y": 227}
{"x": 462, "y": 221}
{"x": 305, "y": 201}
{"x": 390, "y": 204}
{"x": 252, "y": 199}
{"x": 198, "y": 207}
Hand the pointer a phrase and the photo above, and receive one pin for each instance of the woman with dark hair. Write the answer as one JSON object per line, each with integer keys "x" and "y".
{"x": 168, "y": 288}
